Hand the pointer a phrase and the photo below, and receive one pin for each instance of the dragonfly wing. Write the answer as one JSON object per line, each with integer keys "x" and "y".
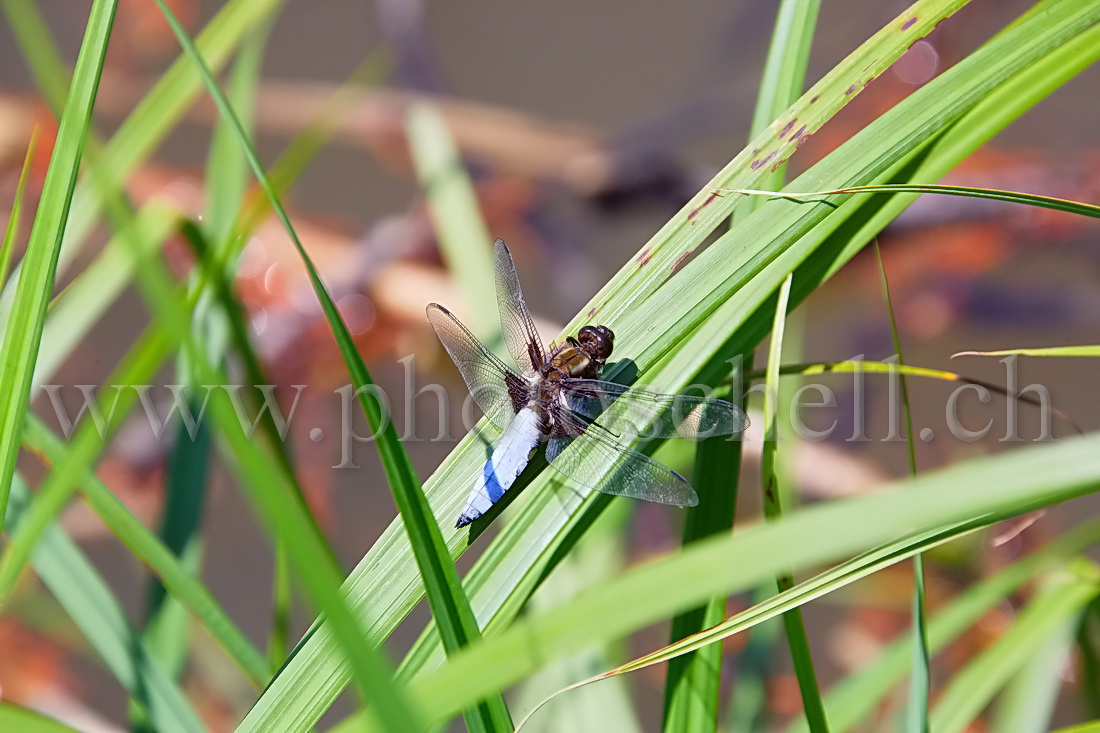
{"x": 647, "y": 415}
{"x": 498, "y": 391}
{"x": 585, "y": 453}
{"x": 520, "y": 335}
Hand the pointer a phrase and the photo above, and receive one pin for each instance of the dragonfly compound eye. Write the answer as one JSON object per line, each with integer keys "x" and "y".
{"x": 597, "y": 340}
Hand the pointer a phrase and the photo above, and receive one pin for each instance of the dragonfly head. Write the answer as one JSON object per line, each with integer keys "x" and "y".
{"x": 597, "y": 342}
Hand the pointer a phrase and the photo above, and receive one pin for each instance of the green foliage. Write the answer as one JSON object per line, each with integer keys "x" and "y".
{"x": 749, "y": 257}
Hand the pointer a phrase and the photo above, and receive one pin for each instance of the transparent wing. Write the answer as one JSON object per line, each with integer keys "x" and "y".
{"x": 647, "y": 415}
{"x": 515, "y": 320}
{"x": 495, "y": 387}
{"x": 593, "y": 453}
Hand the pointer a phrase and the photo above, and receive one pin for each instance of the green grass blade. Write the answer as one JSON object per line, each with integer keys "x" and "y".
{"x": 276, "y": 498}
{"x": 464, "y": 240}
{"x": 793, "y": 624}
{"x": 857, "y": 696}
{"x": 781, "y": 85}
{"x": 784, "y": 77}
{"x": 1090, "y": 727}
{"x": 920, "y": 679}
{"x": 864, "y": 690}
{"x": 971, "y": 689}
{"x": 8, "y": 246}
{"x": 1045, "y": 351}
{"x": 384, "y": 586}
{"x": 438, "y": 572}
{"x": 1028, "y": 701}
{"x": 152, "y": 119}
{"x": 90, "y": 604}
{"x": 1008, "y": 484}
{"x": 189, "y": 458}
{"x": 138, "y": 367}
{"x": 13, "y": 717}
{"x": 687, "y": 230}
{"x": 23, "y": 335}
{"x": 463, "y": 237}
{"x": 992, "y": 194}
{"x": 1088, "y": 647}
{"x": 692, "y": 682}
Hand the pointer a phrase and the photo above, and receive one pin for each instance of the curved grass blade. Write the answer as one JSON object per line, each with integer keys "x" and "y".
{"x": 1044, "y": 351}
{"x": 138, "y": 366}
{"x": 14, "y": 717}
{"x": 773, "y": 510}
{"x": 8, "y": 246}
{"x": 993, "y": 194}
{"x": 920, "y": 679}
{"x": 152, "y": 118}
{"x": 1006, "y": 485}
{"x": 464, "y": 241}
{"x": 23, "y": 334}
{"x": 687, "y": 230}
{"x": 784, "y": 77}
{"x": 1055, "y": 606}
{"x": 449, "y": 604}
{"x": 546, "y": 520}
{"x": 857, "y": 695}
{"x": 148, "y": 548}
{"x": 91, "y": 605}
{"x": 692, "y": 683}
{"x": 167, "y": 625}
{"x": 463, "y": 237}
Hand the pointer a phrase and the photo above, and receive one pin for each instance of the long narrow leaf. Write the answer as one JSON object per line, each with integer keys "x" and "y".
{"x": 1011, "y": 484}
{"x": 10, "y": 231}
{"x": 24, "y": 331}
{"x": 91, "y": 605}
{"x": 972, "y": 688}
{"x": 382, "y": 585}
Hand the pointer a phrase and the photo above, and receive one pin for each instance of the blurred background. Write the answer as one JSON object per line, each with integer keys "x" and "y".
{"x": 584, "y": 127}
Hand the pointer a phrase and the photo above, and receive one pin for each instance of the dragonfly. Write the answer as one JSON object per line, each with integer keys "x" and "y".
{"x": 556, "y": 398}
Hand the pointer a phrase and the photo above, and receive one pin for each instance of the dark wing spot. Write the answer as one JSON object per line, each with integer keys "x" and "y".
{"x": 909, "y": 23}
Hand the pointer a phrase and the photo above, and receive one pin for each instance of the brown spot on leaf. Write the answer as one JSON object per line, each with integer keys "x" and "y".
{"x": 787, "y": 129}
{"x": 592, "y": 313}
{"x": 758, "y": 164}
{"x": 706, "y": 202}
{"x": 680, "y": 261}
{"x": 803, "y": 138}
{"x": 816, "y": 97}
{"x": 644, "y": 258}
{"x": 798, "y": 133}
{"x": 851, "y": 89}
{"x": 909, "y": 23}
